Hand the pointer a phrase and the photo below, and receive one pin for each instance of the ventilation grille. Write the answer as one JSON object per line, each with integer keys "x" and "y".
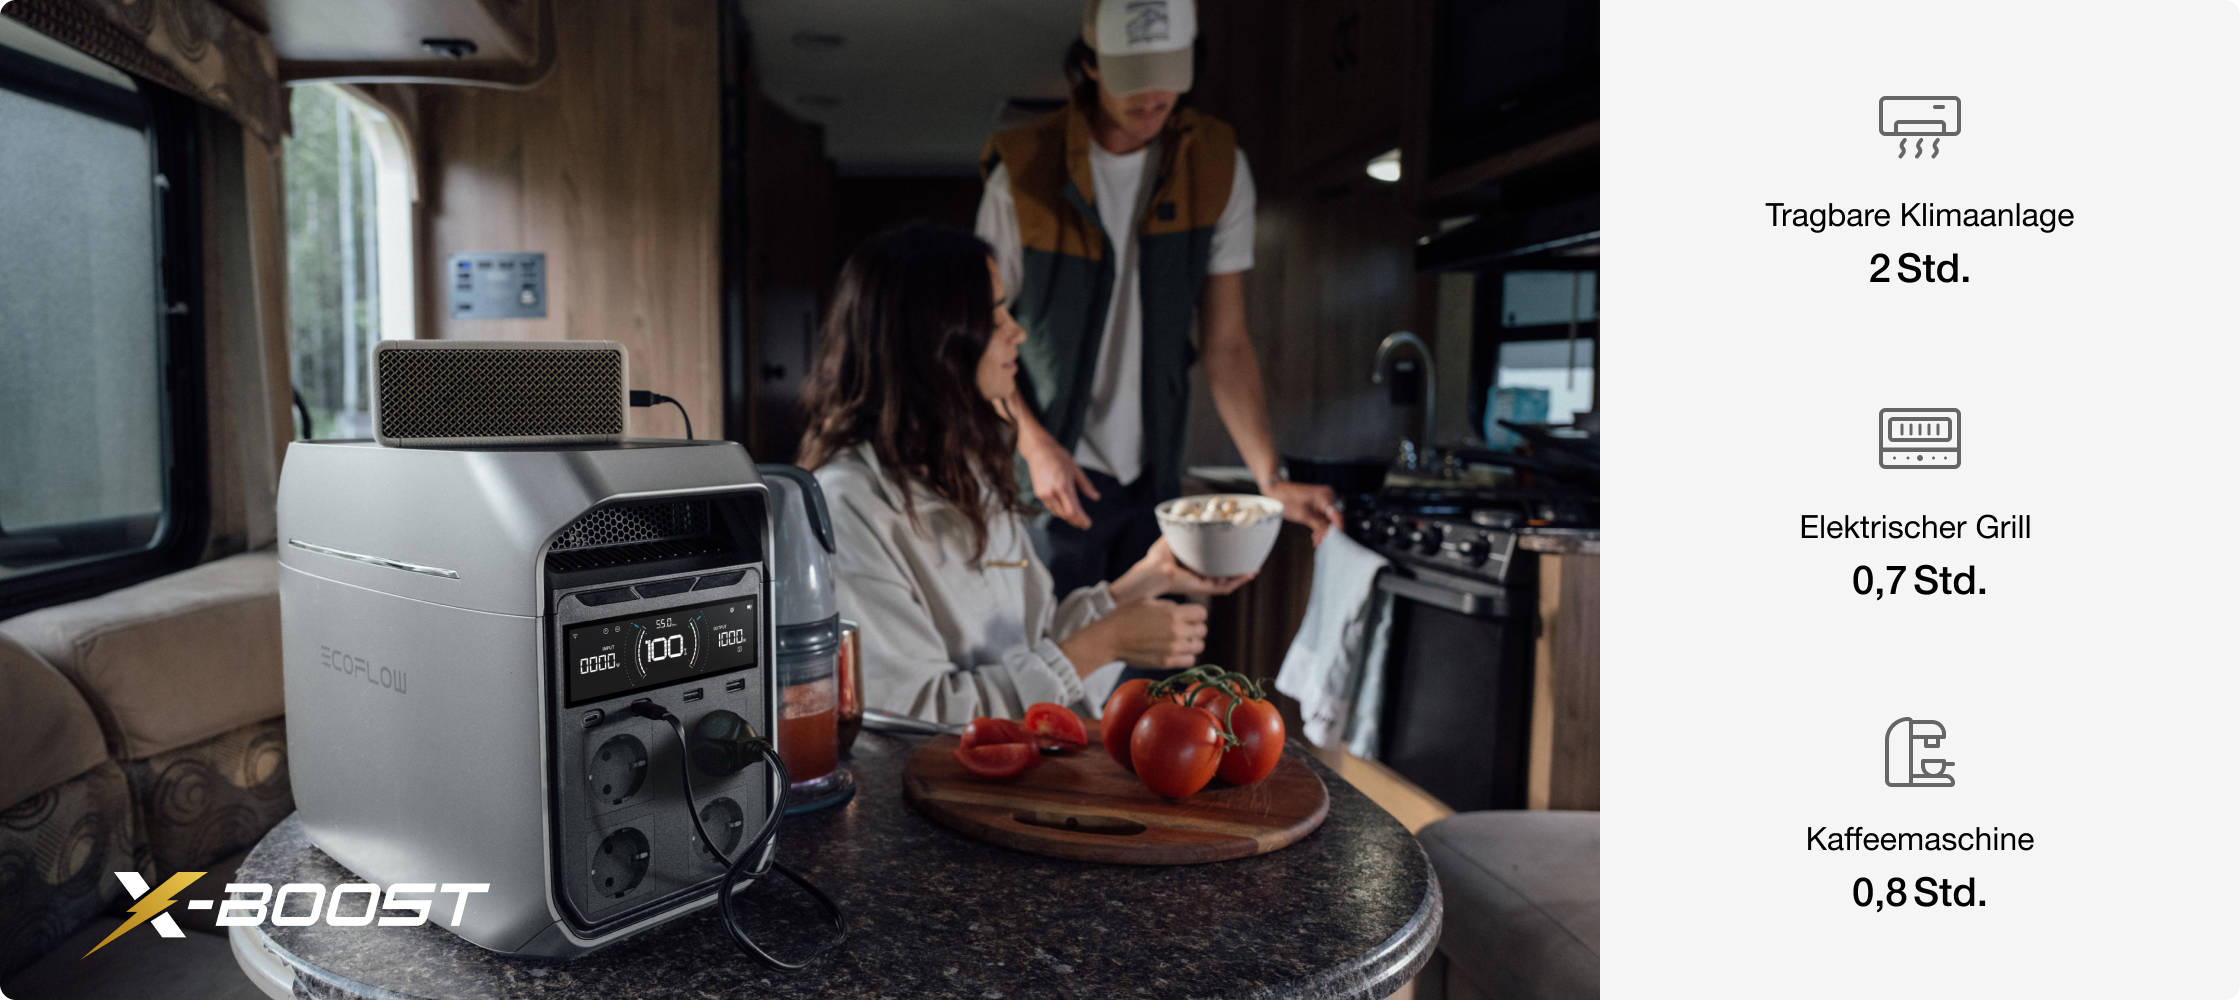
{"x": 644, "y": 522}
{"x": 579, "y": 560}
{"x": 498, "y": 394}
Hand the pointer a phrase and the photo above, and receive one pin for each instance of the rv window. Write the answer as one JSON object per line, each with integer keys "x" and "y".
{"x": 1534, "y": 361}
{"x": 349, "y": 251}
{"x": 1540, "y": 382}
{"x": 1544, "y": 298}
{"x": 84, "y": 417}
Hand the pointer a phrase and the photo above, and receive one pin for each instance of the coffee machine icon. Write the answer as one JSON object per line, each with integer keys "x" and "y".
{"x": 1903, "y": 766}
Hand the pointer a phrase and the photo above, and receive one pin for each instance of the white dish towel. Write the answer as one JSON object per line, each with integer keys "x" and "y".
{"x": 1335, "y": 667}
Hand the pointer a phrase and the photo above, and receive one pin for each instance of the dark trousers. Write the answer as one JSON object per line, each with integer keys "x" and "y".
{"x": 1121, "y": 529}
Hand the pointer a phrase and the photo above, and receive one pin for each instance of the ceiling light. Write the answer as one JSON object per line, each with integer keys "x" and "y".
{"x": 1386, "y": 167}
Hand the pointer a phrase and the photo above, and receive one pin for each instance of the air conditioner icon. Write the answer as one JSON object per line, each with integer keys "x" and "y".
{"x": 1919, "y": 118}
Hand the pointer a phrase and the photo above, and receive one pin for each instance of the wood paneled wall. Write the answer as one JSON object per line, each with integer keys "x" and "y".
{"x": 1334, "y": 257}
{"x": 790, "y": 265}
{"x": 610, "y": 168}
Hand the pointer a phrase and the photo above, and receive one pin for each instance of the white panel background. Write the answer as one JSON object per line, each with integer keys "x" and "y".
{"x": 2090, "y": 695}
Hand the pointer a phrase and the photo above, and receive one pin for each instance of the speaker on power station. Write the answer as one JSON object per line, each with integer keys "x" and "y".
{"x": 449, "y": 393}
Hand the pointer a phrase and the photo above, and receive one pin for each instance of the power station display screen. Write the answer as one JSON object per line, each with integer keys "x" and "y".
{"x": 619, "y": 655}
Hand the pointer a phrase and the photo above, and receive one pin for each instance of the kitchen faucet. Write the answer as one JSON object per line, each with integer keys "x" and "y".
{"x": 1430, "y": 382}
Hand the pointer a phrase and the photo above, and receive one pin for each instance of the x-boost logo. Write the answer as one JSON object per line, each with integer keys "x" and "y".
{"x": 254, "y": 901}
{"x": 149, "y": 906}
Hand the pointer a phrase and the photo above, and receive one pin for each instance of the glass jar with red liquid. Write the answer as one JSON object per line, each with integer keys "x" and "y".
{"x": 809, "y": 716}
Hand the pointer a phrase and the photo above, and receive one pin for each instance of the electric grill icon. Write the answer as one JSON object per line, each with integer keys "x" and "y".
{"x": 1920, "y": 438}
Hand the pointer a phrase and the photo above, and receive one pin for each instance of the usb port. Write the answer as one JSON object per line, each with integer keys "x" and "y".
{"x": 735, "y": 684}
{"x": 695, "y": 694}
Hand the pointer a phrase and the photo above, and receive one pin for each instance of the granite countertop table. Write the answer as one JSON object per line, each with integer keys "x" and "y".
{"x": 1353, "y": 910}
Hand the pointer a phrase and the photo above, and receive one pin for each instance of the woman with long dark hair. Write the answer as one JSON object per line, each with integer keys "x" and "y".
{"x": 909, "y": 434}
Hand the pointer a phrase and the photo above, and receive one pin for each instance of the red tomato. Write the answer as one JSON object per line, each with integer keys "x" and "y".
{"x": 1259, "y": 729}
{"x": 1212, "y": 699}
{"x": 1176, "y": 748}
{"x": 1121, "y": 710}
{"x": 997, "y": 760}
{"x": 1055, "y": 727}
{"x": 992, "y": 732}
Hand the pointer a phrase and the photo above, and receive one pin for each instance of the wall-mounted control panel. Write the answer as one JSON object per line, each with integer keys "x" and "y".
{"x": 496, "y": 285}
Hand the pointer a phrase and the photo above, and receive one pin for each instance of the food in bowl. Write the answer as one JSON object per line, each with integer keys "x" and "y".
{"x": 1221, "y": 534}
{"x": 1219, "y": 508}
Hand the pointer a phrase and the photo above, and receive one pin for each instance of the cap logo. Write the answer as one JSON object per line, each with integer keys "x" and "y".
{"x": 1147, "y": 21}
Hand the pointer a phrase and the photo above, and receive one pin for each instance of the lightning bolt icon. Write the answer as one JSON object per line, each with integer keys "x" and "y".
{"x": 149, "y": 905}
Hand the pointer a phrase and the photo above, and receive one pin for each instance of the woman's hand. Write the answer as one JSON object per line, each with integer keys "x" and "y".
{"x": 1150, "y": 633}
{"x": 1056, "y": 477}
{"x": 1158, "y": 573}
{"x": 1308, "y": 504}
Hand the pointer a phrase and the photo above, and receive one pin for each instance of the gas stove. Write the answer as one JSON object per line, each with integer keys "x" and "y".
{"x": 1467, "y": 532}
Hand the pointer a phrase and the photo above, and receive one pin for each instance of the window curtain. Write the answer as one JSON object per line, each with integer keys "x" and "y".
{"x": 192, "y": 46}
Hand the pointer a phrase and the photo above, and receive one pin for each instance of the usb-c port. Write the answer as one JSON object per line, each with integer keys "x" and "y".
{"x": 735, "y": 684}
{"x": 694, "y": 695}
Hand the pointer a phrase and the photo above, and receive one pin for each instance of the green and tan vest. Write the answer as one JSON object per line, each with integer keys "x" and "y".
{"x": 1065, "y": 289}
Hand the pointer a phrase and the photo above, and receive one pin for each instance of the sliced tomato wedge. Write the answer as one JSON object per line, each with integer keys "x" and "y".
{"x": 1055, "y": 727}
{"x": 993, "y": 732}
{"x": 997, "y": 760}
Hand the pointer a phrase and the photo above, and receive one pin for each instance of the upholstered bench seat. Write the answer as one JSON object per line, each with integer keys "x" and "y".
{"x": 173, "y": 661}
{"x": 1524, "y": 904}
{"x": 65, "y": 814}
{"x": 146, "y": 724}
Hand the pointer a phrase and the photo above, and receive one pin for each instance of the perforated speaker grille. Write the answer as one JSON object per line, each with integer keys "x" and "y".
{"x": 499, "y": 394}
{"x": 647, "y": 522}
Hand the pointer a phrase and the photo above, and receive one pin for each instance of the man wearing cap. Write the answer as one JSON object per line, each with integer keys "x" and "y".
{"x": 1118, "y": 223}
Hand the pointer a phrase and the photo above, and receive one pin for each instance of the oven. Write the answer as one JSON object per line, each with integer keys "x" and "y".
{"x": 1458, "y": 675}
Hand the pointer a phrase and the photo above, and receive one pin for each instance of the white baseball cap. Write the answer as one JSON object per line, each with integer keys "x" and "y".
{"x": 1141, "y": 44}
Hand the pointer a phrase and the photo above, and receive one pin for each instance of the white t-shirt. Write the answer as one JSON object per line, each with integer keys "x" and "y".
{"x": 1112, "y": 440}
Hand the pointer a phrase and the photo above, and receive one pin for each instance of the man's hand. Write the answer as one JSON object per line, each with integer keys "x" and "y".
{"x": 1308, "y": 504}
{"x": 1233, "y": 374}
{"x": 1056, "y": 478}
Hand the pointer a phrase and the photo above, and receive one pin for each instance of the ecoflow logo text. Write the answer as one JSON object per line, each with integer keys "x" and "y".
{"x": 354, "y": 904}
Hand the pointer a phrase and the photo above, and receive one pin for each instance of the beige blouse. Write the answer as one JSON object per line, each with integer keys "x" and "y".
{"x": 945, "y": 638}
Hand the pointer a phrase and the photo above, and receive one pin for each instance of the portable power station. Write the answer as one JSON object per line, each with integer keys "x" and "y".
{"x": 465, "y": 631}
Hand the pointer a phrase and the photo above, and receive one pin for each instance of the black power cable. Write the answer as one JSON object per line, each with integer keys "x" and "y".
{"x": 642, "y": 398}
{"x": 303, "y": 414}
{"x": 729, "y": 750}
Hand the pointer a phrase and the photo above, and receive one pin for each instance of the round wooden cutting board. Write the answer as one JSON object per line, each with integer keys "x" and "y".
{"x": 1085, "y": 807}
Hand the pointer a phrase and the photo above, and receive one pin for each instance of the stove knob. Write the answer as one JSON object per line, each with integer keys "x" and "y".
{"x": 1476, "y": 551}
{"x": 1426, "y": 540}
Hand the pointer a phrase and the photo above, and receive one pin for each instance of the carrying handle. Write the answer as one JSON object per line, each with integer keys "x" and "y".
{"x": 820, "y": 517}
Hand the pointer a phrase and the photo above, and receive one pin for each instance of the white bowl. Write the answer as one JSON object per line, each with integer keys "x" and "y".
{"x": 1222, "y": 548}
